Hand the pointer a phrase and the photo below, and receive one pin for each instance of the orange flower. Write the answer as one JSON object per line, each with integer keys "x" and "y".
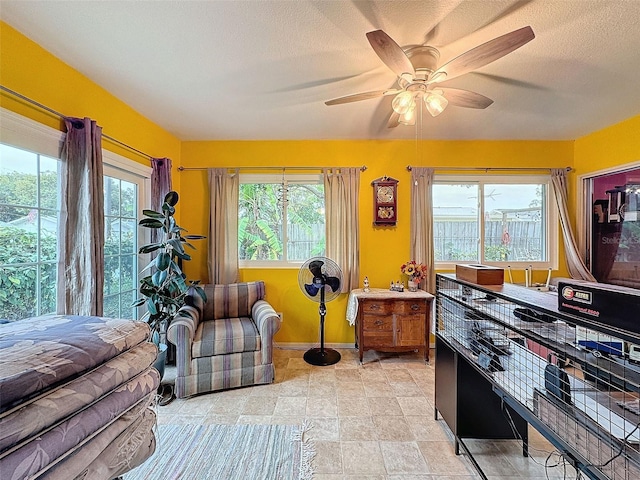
{"x": 415, "y": 271}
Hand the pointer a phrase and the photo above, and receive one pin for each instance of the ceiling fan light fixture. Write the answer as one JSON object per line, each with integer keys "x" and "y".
{"x": 409, "y": 117}
{"x": 437, "y": 77}
{"x": 435, "y": 103}
{"x": 403, "y": 102}
{"x": 405, "y": 78}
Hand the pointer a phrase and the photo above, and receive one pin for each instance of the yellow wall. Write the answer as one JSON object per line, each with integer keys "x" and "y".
{"x": 382, "y": 249}
{"x": 615, "y": 145}
{"x": 612, "y": 146}
{"x": 32, "y": 71}
{"x": 28, "y": 69}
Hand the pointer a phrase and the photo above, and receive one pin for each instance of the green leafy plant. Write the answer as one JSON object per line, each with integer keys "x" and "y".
{"x": 496, "y": 253}
{"x": 19, "y": 278}
{"x": 269, "y": 212}
{"x": 163, "y": 290}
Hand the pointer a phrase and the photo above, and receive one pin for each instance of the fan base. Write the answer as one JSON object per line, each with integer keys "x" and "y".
{"x": 316, "y": 356}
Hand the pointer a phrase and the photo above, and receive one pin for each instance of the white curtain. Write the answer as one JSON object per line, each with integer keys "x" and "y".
{"x": 81, "y": 244}
{"x": 223, "y": 226}
{"x": 341, "y": 190}
{"x": 421, "y": 227}
{"x": 575, "y": 265}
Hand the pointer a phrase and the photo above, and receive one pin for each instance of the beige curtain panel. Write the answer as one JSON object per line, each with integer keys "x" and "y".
{"x": 341, "y": 190}
{"x": 223, "y": 226}
{"x": 421, "y": 225}
{"x": 575, "y": 265}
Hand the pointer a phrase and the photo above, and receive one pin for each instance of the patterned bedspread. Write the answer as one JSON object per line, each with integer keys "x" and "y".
{"x": 40, "y": 353}
{"x": 36, "y": 453}
{"x": 75, "y": 393}
{"x": 40, "y": 413}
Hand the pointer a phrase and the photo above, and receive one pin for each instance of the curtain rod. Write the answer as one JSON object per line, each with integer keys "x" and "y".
{"x": 64, "y": 117}
{"x": 362, "y": 168}
{"x": 486, "y": 169}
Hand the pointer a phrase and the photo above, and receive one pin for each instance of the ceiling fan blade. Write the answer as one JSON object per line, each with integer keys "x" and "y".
{"x": 394, "y": 120}
{"x": 465, "y": 98}
{"x": 483, "y": 54}
{"x": 361, "y": 96}
{"x": 390, "y": 53}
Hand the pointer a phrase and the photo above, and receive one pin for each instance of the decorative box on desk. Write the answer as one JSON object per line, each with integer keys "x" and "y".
{"x": 390, "y": 321}
{"x": 480, "y": 274}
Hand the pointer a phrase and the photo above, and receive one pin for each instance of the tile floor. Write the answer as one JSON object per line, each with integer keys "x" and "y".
{"x": 370, "y": 421}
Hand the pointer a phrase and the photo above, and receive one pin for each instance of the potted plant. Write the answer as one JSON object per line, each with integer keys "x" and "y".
{"x": 164, "y": 287}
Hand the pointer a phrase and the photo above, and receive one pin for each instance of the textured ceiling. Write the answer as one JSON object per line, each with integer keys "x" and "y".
{"x": 260, "y": 70}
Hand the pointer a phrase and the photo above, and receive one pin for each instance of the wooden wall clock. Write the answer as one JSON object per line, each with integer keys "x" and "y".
{"x": 385, "y": 201}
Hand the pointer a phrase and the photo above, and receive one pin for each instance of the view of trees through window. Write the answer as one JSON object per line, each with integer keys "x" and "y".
{"x": 28, "y": 233}
{"x": 120, "y": 248}
{"x": 29, "y": 211}
{"x": 281, "y": 221}
{"x": 510, "y": 222}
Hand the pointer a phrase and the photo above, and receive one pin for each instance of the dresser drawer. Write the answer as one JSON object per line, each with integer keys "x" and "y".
{"x": 377, "y": 323}
{"x": 378, "y": 339}
{"x": 409, "y": 306}
{"x": 377, "y": 307}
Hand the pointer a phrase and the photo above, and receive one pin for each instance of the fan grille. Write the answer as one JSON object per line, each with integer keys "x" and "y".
{"x": 320, "y": 273}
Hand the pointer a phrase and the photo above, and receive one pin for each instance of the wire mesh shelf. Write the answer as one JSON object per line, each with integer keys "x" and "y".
{"x": 572, "y": 378}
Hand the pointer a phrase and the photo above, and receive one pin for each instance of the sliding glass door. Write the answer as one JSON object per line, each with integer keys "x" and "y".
{"x": 124, "y": 198}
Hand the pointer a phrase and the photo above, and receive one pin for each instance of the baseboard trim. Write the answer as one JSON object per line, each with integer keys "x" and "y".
{"x": 307, "y": 346}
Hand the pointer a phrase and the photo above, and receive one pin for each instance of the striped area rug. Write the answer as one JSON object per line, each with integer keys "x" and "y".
{"x": 228, "y": 452}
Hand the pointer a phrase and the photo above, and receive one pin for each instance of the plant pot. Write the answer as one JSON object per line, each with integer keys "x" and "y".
{"x": 161, "y": 359}
{"x": 412, "y": 286}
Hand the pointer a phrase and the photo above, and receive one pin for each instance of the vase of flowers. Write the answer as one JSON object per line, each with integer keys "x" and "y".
{"x": 415, "y": 272}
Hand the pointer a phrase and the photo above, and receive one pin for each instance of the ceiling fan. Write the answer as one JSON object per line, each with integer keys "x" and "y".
{"x": 419, "y": 76}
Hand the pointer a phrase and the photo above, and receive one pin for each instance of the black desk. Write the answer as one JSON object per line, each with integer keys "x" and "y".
{"x": 479, "y": 401}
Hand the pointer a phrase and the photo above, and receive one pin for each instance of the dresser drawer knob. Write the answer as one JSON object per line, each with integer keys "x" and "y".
{"x": 374, "y": 306}
{"x": 415, "y": 306}
{"x": 378, "y": 322}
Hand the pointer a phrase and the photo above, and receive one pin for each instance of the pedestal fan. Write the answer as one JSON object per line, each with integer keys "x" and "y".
{"x": 320, "y": 279}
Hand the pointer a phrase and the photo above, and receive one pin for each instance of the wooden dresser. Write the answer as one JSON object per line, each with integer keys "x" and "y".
{"x": 392, "y": 321}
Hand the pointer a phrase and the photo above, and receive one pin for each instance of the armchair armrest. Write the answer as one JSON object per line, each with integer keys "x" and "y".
{"x": 268, "y": 323}
{"x": 265, "y": 317}
{"x": 187, "y": 318}
{"x": 182, "y": 330}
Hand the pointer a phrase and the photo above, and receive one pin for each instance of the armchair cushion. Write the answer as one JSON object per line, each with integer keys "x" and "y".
{"x": 232, "y": 300}
{"x": 226, "y": 335}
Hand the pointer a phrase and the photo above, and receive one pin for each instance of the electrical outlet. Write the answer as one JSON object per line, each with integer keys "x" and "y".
{"x": 281, "y": 316}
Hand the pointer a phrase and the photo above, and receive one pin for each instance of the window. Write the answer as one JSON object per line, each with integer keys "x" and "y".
{"x": 120, "y": 247}
{"x": 126, "y": 190}
{"x": 612, "y": 224}
{"x": 29, "y": 212}
{"x": 499, "y": 219}
{"x": 280, "y": 219}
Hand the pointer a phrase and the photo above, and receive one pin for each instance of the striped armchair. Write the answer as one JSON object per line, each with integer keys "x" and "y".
{"x": 226, "y": 342}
